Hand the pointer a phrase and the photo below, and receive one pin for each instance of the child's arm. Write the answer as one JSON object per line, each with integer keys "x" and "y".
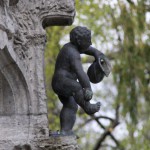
{"x": 93, "y": 52}
{"x": 81, "y": 75}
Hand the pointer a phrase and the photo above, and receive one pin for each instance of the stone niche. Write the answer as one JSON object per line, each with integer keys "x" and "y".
{"x": 23, "y": 108}
{"x": 6, "y": 98}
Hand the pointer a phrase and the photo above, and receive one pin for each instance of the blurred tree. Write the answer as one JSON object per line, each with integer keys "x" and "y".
{"x": 120, "y": 28}
{"x": 54, "y": 34}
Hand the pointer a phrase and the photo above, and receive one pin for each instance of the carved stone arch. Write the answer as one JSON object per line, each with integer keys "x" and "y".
{"x": 15, "y": 82}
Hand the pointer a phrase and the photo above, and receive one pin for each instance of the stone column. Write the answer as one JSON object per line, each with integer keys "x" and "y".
{"x": 23, "y": 109}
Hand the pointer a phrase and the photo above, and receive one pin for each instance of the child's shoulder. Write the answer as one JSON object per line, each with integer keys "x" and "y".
{"x": 70, "y": 48}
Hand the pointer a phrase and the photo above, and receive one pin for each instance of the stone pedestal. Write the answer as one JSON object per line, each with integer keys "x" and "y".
{"x": 23, "y": 109}
{"x": 53, "y": 143}
{"x": 59, "y": 143}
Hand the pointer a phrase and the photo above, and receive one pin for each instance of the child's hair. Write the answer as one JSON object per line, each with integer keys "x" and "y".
{"x": 78, "y": 33}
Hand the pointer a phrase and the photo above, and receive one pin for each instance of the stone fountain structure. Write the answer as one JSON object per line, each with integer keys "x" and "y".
{"x": 23, "y": 109}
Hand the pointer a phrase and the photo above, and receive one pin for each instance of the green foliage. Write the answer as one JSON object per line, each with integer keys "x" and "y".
{"x": 133, "y": 59}
{"x": 129, "y": 72}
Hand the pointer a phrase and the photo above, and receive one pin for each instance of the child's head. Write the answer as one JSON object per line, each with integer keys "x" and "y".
{"x": 81, "y": 36}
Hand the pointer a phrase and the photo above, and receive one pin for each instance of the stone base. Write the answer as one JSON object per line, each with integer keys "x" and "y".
{"x": 19, "y": 132}
{"x": 59, "y": 143}
{"x": 53, "y": 143}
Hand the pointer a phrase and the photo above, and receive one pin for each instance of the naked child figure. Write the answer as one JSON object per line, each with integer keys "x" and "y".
{"x": 71, "y": 83}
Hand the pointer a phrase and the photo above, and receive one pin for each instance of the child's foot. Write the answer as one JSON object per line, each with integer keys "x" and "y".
{"x": 92, "y": 108}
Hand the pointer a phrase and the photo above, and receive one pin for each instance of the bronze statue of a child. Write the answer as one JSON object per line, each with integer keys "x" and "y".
{"x": 70, "y": 82}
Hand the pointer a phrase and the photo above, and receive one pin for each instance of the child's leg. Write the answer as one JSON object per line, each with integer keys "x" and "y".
{"x": 68, "y": 114}
{"x": 87, "y": 106}
{"x": 73, "y": 88}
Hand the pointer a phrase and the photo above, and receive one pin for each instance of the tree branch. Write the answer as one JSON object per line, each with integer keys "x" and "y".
{"x": 100, "y": 140}
{"x": 106, "y": 133}
{"x": 108, "y": 130}
{"x": 106, "y": 145}
{"x": 97, "y": 118}
{"x": 130, "y": 2}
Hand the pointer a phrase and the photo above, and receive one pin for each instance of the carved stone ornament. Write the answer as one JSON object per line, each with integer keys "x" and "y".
{"x": 23, "y": 110}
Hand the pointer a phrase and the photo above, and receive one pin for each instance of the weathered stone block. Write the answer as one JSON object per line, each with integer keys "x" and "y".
{"x": 23, "y": 109}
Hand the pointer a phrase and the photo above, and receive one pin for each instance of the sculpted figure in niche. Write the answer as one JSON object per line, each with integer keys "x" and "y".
{"x": 71, "y": 83}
